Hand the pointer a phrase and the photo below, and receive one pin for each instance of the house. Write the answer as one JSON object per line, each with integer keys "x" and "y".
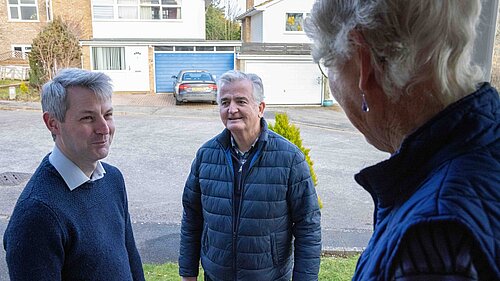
{"x": 276, "y": 48}
{"x": 140, "y": 44}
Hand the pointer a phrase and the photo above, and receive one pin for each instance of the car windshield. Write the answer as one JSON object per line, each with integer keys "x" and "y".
{"x": 196, "y": 76}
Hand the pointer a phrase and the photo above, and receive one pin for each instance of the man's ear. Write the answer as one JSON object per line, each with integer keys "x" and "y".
{"x": 51, "y": 123}
{"x": 262, "y": 106}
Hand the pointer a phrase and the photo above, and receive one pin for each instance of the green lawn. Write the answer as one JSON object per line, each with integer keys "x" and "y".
{"x": 332, "y": 269}
{"x": 30, "y": 95}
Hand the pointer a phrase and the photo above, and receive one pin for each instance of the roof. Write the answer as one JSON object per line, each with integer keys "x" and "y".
{"x": 257, "y": 9}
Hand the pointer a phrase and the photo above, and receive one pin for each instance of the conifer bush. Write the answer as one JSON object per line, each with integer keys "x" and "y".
{"x": 292, "y": 133}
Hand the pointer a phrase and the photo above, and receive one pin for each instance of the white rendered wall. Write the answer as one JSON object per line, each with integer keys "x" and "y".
{"x": 275, "y": 22}
{"x": 191, "y": 26}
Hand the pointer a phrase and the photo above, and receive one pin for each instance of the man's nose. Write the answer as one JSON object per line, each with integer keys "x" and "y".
{"x": 102, "y": 126}
{"x": 232, "y": 108}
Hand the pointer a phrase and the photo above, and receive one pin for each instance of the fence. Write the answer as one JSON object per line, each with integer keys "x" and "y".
{"x": 14, "y": 72}
{"x": 275, "y": 49}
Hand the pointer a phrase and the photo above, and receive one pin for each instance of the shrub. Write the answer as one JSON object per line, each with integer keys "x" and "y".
{"x": 54, "y": 48}
{"x": 24, "y": 88}
{"x": 292, "y": 133}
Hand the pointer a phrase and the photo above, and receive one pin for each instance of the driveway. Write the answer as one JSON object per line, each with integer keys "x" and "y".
{"x": 154, "y": 145}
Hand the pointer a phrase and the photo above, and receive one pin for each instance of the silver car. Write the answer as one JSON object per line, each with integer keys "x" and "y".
{"x": 194, "y": 85}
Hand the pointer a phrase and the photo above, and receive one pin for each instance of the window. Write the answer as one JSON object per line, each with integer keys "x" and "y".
{"x": 20, "y": 51}
{"x": 164, "y": 48}
{"x": 184, "y": 48}
{"x": 108, "y": 58}
{"x": 224, "y": 49}
{"x": 205, "y": 48}
{"x": 48, "y": 9}
{"x": 26, "y": 10}
{"x": 295, "y": 21}
{"x": 137, "y": 9}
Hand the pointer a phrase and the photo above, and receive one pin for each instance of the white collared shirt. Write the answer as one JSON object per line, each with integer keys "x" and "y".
{"x": 70, "y": 172}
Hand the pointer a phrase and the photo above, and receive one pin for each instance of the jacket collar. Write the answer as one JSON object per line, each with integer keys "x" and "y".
{"x": 467, "y": 123}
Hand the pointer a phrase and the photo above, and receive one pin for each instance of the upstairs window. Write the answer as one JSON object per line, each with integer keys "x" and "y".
{"x": 25, "y": 10}
{"x": 137, "y": 9}
{"x": 295, "y": 21}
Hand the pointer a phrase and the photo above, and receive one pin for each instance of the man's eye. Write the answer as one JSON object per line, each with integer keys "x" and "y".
{"x": 86, "y": 118}
{"x": 108, "y": 115}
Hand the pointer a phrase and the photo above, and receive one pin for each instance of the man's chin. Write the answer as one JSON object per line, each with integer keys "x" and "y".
{"x": 234, "y": 128}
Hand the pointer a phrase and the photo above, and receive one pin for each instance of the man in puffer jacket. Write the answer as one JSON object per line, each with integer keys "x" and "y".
{"x": 248, "y": 196}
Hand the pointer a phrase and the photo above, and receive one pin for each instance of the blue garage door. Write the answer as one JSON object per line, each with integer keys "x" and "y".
{"x": 168, "y": 64}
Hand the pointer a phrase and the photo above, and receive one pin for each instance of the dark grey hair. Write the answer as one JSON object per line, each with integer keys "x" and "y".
{"x": 425, "y": 42}
{"x": 54, "y": 92}
{"x": 234, "y": 76}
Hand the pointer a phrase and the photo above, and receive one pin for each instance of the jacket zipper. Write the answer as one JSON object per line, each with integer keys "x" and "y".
{"x": 237, "y": 219}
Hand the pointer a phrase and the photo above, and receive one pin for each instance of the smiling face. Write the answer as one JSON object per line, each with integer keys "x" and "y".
{"x": 87, "y": 131}
{"x": 238, "y": 110}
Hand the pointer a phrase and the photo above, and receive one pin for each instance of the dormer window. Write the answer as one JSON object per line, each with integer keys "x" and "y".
{"x": 295, "y": 22}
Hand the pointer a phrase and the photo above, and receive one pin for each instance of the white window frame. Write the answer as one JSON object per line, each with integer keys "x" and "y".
{"x": 115, "y": 6}
{"x": 48, "y": 9}
{"x": 25, "y": 50}
{"x": 304, "y": 15}
{"x": 18, "y": 6}
{"x": 105, "y": 66}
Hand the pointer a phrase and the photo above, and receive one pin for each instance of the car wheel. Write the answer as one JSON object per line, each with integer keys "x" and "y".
{"x": 214, "y": 102}
{"x": 177, "y": 102}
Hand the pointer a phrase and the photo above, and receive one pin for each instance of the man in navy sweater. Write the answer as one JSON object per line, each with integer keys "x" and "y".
{"x": 71, "y": 222}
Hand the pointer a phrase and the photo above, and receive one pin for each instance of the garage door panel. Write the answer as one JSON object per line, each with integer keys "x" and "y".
{"x": 288, "y": 82}
{"x": 168, "y": 64}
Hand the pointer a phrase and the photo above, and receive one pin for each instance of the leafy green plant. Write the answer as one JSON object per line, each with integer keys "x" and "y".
{"x": 292, "y": 133}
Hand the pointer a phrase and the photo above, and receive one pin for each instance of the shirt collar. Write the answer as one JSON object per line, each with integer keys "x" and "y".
{"x": 237, "y": 150}
{"x": 71, "y": 173}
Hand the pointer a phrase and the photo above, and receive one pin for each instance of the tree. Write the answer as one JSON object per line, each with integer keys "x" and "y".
{"x": 292, "y": 133}
{"x": 55, "y": 47}
{"x": 218, "y": 27}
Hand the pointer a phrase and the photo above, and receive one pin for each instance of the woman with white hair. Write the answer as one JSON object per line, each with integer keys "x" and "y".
{"x": 402, "y": 71}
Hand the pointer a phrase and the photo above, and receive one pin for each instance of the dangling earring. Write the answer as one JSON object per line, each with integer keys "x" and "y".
{"x": 364, "y": 104}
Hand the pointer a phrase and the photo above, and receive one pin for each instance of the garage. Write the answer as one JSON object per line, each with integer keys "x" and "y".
{"x": 170, "y": 63}
{"x": 288, "y": 82}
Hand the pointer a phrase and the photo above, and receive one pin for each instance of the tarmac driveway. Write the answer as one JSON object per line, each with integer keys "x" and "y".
{"x": 154, "y": 146}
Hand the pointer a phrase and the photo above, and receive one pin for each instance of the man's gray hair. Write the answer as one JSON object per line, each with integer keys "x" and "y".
{"x": 54, "y": 92}
{"x": 234, "y": 76}
{"x": 425, "y": 42}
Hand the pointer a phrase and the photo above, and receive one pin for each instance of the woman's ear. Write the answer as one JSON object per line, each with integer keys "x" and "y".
{"x": 366, "y": 70}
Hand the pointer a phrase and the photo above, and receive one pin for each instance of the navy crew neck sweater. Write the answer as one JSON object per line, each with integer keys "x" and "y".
{"x": 84, "y": 234}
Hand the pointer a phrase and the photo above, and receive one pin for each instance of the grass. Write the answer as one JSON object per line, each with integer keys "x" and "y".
{"x": 29, "y": 95}
{"x": 332, "y": 269}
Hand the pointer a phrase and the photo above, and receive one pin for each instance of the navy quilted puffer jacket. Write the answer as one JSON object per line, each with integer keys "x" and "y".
{"x": 278, "y": 202}
{"x": 446, "y": 171}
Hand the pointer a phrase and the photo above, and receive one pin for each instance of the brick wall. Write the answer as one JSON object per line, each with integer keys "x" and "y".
{"x": 77, "y": 13}
{"x": 16, "y": 32}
